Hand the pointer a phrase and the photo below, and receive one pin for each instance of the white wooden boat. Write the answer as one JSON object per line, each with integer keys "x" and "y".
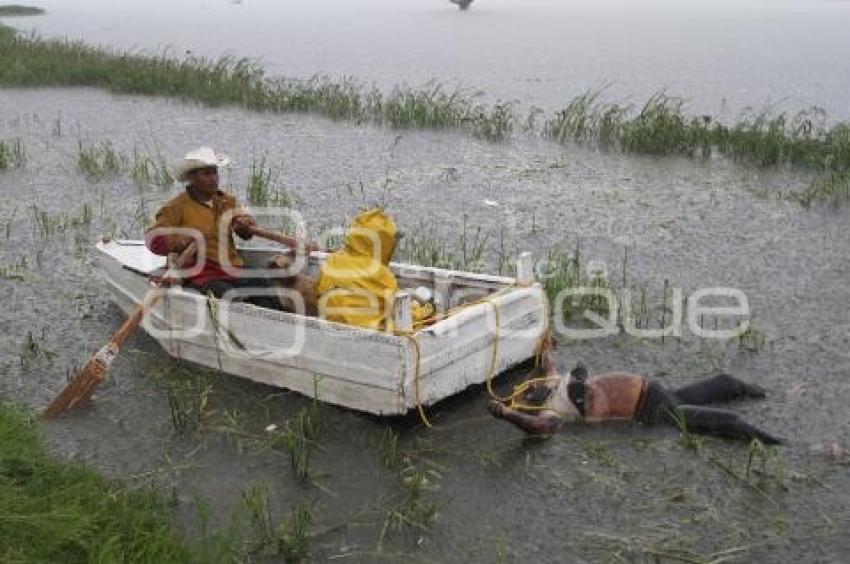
{"x": 362, "y": 369}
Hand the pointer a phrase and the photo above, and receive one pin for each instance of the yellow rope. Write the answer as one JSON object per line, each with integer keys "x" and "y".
{"x": 518, "y": 390}
{"x": 417, "y": 374}
{"x": 457, "y": 309}
{"x": 521, "y": 388}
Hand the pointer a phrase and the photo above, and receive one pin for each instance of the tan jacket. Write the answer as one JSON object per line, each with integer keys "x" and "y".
{"x": 185, "y": 211}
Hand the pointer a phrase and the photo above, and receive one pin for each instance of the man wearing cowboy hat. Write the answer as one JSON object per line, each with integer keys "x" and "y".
{"x": 205, "y": 213}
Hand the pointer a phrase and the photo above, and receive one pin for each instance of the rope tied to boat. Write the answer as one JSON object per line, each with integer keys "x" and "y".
{"x": 519, "y": 389}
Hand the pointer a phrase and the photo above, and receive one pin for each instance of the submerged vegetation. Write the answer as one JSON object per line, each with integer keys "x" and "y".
{"x": 101, "y": 160}
{"x": 31, "y": 61}
{"x": 660, "y": 126}
{"x": 9, "y": 10}
{"x": 54, "y": 511}
{"x": 48, "y": 224}
{"x": 98, "y": 160}
{"x": 12, "y": 154}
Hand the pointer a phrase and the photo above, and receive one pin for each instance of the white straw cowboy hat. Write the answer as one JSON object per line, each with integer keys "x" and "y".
{"x": 201, "y": 157}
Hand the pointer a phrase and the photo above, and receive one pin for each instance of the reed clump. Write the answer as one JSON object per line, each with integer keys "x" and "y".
{"x": 833, "y": 188}
{"x": 662, "y": 127}
{"x": 99, "y": 160}
{"x": 33, "y": 61}
{"x": 414, "y": 507}
{"x": 33, "y": 349}
{"x": 189, "y": 402}
{"x": 48, "y": 224}
{"x": 562, "y": 272}
{"x": 262, "y": 190}
{"x": 61, "y": 512}
{"x": 293, "y": 540}
{"x": 6, "y": 32}
{"x": 10, "y": 10}
{"x": 16, "y": 272}
{"x": 421, "y": 246}
{"x": 12, "y": 154}
{"x": 150, "y": 169}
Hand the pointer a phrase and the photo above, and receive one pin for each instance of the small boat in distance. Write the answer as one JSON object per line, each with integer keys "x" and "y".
{"x": 488, "y": 324}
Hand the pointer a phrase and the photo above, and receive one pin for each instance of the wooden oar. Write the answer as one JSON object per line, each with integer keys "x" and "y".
{"x": 287, "y": 240}
{"x": 80, "y": 389}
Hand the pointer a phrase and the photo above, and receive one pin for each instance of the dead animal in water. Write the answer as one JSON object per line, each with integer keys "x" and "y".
{"x": 289, "y": 287}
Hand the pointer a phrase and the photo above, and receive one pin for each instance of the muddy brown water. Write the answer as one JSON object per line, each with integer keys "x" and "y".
{"x": 602, "y": 493}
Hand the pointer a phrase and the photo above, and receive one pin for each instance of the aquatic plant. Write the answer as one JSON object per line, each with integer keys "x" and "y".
{"x": 256, "y": 499}
{"x": 766, "y": 462}
{"x": 56, "y": 511}
{"x": 659, "y": 126}
{"x": 414, "y": 506}
{"x": 753, "y": 339}
{"x": 34, "y": 350}
{"x": 188, "y": 401}
{"x": 12, "y": 154}
{"x": 293, "y": 541}
{"x": 389, "y": 448}
{"x": 561, "y": 271}
{"x": 259, "y": 183}
{"x": 15, "y": 271}
{"x": 147, "y": 169}
{"x": 7, "y": 33}
{"x": 9, "y": 10}
{"x": 662, "y": 127}
{"x": 48, "y": 224}
{"x": 294, "y": 440}
{"x": 834, "y": 188}
{"x": 99, "y": 160}
{"x": 241, "y": 81}
{"x": 420, "y": 246}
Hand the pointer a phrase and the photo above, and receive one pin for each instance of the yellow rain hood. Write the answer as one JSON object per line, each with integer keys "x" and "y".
{"x": 355, "y": 283}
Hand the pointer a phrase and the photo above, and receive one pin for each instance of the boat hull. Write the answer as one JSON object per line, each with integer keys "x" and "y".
{"x": 366, "y": 370}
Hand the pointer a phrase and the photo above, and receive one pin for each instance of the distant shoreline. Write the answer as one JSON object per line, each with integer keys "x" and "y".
{"x": 17, "y": 10}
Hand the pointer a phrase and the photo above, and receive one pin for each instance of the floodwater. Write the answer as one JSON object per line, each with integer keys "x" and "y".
{"x": 722, "y": 55}
{"x": 605, "y": 493}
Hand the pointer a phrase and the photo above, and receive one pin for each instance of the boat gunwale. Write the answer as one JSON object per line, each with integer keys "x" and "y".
{"x": 402, "y": 269}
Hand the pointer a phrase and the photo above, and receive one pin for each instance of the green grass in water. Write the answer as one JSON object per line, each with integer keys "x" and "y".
{"x": 12, "y": 154}
{"x": 52, "y": 511}
{"x": 6, "y": 32}
{"x": 662, "y": 127}
{"x": 30, "y": 62}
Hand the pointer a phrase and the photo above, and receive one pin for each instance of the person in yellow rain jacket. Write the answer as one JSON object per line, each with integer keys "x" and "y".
{"x": 355, "y": 285}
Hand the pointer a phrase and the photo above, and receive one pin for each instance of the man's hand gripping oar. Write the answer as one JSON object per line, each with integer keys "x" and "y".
{"x": 80, "y": 389}
{"x": 289, "y": 241}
